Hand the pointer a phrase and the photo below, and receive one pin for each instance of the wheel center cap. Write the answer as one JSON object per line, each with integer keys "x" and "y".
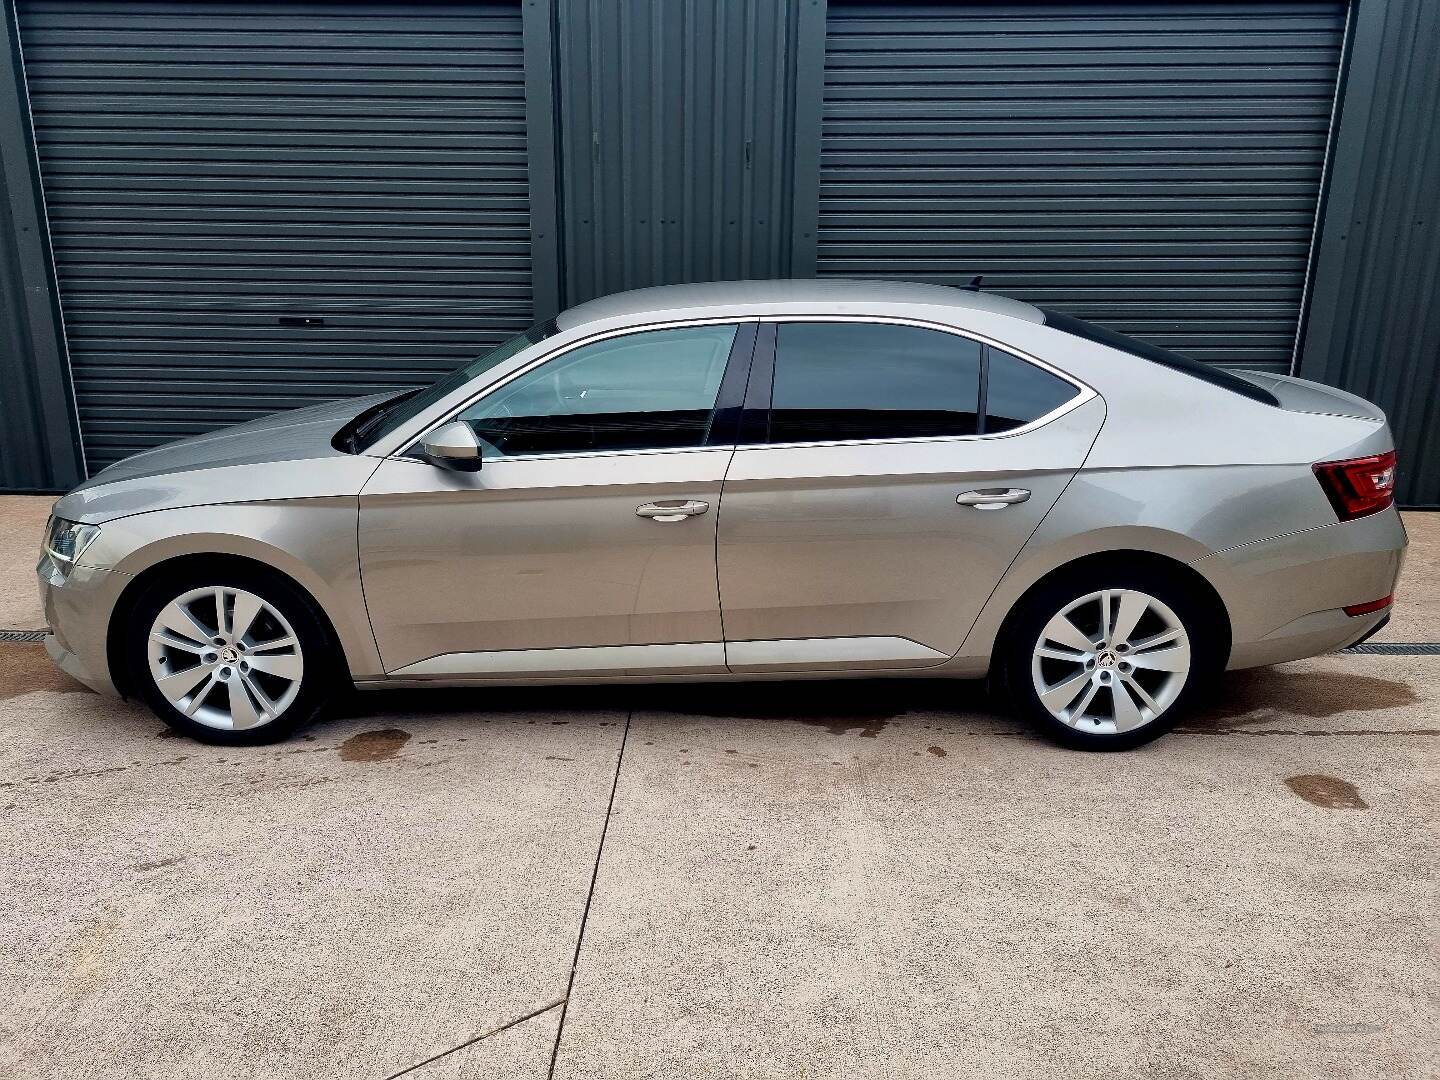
{"x": 229, "y": 655}
{"x": 1106, "y": 659}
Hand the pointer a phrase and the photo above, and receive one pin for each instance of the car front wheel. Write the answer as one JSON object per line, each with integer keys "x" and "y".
{"x": 1110, "y": 664}
{"x": 230, "y": 658}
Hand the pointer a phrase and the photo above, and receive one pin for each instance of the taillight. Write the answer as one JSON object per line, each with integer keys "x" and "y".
{"x": 1359, "y": 486}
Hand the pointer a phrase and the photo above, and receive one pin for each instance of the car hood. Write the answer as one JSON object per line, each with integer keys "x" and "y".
{"x": 283, "y": 456}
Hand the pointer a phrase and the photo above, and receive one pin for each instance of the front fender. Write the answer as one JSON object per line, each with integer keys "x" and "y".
{"x": 312, "y": 541}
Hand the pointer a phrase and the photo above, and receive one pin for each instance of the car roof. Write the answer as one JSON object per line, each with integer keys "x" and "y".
{"x": 792, "y": 295}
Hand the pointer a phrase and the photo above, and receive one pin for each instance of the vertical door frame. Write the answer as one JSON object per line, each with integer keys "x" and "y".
{"x": 35, "y": 377}
{"x": 542, "y": 108}
{"x": 809, "y": 94}
{"x": 1340, "y": 197}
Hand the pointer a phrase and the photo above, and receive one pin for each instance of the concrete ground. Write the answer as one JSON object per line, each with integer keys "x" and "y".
{"x": 22, "y": 528}
{"x": 814, "y": 880}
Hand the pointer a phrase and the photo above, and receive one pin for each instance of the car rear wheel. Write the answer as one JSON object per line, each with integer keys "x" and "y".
{"x": 1110, "y": 664}
{"x": 230, "y": 658}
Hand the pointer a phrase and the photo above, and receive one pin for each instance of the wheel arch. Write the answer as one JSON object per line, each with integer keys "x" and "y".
{"x": 174, "y": 567}
{"x": 1085, "y": 567}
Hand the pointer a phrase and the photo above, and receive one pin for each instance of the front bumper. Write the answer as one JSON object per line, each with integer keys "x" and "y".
{"x": 1286, "y": 595}
{"x": 78, "y": 604}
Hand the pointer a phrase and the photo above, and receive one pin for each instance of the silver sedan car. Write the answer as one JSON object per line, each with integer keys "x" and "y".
{"x": 746, "y": 480}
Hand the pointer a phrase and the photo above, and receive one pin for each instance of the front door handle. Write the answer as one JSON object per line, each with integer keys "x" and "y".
{"x": 671, "y": 511}
{"x": 993, "y": 498}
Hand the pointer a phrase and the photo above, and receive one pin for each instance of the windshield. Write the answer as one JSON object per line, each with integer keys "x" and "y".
{"x": 1156, "y": 355}
{"x": 397, "y": 411}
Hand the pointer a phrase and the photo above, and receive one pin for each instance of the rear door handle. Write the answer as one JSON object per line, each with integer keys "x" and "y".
{"x": 993, "y": 498}
{"x": 671, "y": 511}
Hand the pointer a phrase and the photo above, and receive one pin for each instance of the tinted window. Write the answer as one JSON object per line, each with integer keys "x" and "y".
{"x": 650, "y": 390}
{"x": 872, "y": 381}
{"x": 1156, "y": 355}
{"x": 1017, "y": 392}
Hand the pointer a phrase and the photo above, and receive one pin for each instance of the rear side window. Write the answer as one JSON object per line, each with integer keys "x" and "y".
{"x": 1156, "y": 355}
{"x": 841, "y": 381}
{"x": 1018, "y": 393}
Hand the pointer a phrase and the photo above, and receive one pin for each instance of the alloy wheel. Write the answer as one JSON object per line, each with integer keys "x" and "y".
{"x": 1111, "y": 661}
{"x": 225, "y": 658}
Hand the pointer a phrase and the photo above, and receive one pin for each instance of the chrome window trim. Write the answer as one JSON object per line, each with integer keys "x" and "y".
{"x": 403, "y": 439}
{"x": 1086, "y": 392}
{"x": 728, "y": 447}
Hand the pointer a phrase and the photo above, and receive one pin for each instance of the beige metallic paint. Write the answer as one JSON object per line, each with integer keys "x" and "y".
{"x": 1180, "y": 468}
{"x": 540, "y": 553}
{"x": 853, "y": 540}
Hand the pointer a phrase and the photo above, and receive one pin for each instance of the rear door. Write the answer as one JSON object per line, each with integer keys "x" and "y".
{"x": 891, "y": 472}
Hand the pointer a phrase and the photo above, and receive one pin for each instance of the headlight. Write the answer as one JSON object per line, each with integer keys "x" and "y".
{"x": 65, "y": 541}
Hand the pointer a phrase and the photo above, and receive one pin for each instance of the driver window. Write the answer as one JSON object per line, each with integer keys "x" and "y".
{"x": 651, "y": 390}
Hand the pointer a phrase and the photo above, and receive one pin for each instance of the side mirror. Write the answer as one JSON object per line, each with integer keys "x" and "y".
{"x": 453, "y": 446}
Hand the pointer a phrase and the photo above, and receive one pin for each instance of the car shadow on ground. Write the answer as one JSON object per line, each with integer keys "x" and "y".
{"x": 813, "y": 700}
{"x": 1243, "y": 699}
{"x": 1288, "y": 696}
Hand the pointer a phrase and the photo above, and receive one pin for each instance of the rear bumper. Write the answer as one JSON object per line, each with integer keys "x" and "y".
{"x": 1286, "y": 595}
{"x": 77, "y": 607}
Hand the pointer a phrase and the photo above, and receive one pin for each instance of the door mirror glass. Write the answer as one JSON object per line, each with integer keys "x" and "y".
{"x": 453, "y": 446}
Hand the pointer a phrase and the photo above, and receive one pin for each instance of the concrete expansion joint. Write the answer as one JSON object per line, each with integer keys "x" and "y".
{"x": 563, "y": 1002}
{"x": 541, "y": 1011}
{"x": 590, "y": 895}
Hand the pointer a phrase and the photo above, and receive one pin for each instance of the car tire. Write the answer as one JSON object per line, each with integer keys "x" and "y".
{"x": 272, "y": 669}
{"x": 1116, "y": 684}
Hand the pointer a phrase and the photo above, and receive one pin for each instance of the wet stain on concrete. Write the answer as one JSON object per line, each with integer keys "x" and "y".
{"x": 1329, "y": 792}
{"x": 25, "y": 667}
{"x": 68, "y": 775}
{"x": 157, "y": 864}
{"x": 378, "y": 745}
{"x": 938, "y": 751}
{"x": 1271, "y": 696}
{"x": 869, "y": 728}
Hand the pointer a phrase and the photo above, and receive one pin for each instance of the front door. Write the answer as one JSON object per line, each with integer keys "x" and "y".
{"x": 585, "y": 545}
{"x": 898, "y": 471}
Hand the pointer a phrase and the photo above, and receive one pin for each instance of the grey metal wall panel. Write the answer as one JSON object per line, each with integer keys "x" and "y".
{"x": 216, "y": 172}
{"x": 675, "y": 131}
{"x": 1374, "y": 321}
{"x": 1152, "y": 166}
{"x": 39, "y": 438}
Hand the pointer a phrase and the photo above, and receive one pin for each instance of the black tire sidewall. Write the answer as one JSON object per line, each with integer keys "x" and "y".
{"x": 317, "y": 684}
{"x": 1018, "y": 643}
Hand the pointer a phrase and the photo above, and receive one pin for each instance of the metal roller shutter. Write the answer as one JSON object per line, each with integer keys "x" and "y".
{"x": 1151, "y": 166}
{"x": 256, "y": 206}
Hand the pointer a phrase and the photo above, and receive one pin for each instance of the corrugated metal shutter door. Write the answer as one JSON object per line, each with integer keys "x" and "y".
{"x": 220, "y": 175}
{"x": 1152, "y": 166}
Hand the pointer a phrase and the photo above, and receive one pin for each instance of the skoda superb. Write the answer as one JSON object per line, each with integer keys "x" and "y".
{"x": 763, "y": 480}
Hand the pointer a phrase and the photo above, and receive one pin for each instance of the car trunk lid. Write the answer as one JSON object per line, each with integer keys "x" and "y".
{"x": 1304, "y": 396}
